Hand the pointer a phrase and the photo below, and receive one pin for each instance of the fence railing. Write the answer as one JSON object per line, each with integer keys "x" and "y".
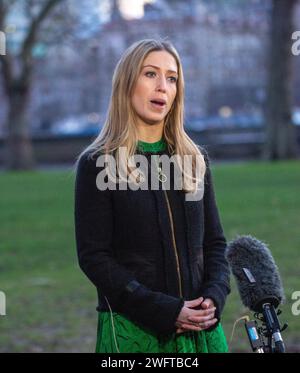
{"x": 227, "y": 143}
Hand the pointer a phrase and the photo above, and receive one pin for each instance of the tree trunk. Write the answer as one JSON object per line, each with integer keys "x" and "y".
{"x": 19, "y": 152}
{"x": 281, "y": 141}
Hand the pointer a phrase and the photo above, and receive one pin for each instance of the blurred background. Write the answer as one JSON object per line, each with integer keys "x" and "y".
{"x": 241, "y": 61}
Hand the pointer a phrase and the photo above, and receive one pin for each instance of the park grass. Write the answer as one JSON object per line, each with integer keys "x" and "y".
{"x": 51, "y": 304}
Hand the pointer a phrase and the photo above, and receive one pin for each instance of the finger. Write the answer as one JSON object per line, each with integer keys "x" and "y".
{"x": 178, "y": 324}
{"x": 199, "y": 326}
{"x": 202, "y": 315}
{"x": 186, "y": 327}
{"x": 194, "y": 302}
{"x": 208, "y": 324}
{"x": 207, "y": 304}
{"x": 202, "y": 319}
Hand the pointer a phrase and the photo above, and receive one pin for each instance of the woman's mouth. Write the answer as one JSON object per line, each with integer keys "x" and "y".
{"x": 158, "y": 104}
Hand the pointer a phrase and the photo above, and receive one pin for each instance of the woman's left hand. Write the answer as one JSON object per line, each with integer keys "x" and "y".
{"x": 208, "y": 303}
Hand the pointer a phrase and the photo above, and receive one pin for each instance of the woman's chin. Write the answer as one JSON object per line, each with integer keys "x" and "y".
{"x": 152, "y": 120}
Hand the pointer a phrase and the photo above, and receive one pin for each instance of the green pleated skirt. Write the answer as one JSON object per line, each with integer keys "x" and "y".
{"x": 116, "y": 333}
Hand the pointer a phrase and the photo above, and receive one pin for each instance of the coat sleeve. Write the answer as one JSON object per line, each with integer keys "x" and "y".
{"x": 94, "y": 229}
{"x": 216, "y": 270}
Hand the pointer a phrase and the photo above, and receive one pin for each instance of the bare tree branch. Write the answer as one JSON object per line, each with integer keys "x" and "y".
{"x": 18, "y": 80}
{"x": 63, "y": 21}
{"x": 35, "y": 24}
{"x": 30, "y": 39}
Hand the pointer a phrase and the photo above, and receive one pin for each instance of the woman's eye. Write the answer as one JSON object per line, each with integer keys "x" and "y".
{"x": 150, "y": 73}
{"x": 173, "y": 79}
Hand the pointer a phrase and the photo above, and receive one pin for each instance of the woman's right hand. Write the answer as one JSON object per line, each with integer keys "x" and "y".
{"x": 205, "y": 316}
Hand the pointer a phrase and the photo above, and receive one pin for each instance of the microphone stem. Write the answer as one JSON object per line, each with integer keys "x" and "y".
{"x": 273, "y": 328}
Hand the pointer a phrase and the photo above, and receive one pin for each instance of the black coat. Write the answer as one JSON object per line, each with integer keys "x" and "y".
{"x": 148, "y": 251}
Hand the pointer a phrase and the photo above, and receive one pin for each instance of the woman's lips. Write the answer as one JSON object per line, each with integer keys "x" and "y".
{"x": 158, "y": 105}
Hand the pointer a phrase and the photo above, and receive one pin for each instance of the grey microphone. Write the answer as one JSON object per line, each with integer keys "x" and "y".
{"x": 258, "y": 281}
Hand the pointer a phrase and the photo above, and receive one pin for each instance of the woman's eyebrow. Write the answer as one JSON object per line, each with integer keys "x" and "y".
{"x": 158, "y": 68}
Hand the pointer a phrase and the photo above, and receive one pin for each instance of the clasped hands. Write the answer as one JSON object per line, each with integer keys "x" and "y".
{"x": 198, "y": 319}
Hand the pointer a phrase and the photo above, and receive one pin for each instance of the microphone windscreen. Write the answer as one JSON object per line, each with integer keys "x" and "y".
{"x": 247, "y": 256}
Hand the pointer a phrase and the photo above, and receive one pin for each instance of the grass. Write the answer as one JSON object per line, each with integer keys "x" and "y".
{"x": 51, "y": 304}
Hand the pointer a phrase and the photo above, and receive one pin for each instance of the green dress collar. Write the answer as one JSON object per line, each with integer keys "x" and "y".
{"x": 152, "y": 147}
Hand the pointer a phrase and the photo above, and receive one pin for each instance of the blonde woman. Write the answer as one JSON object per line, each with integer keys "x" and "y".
{"x": 149, "y": 237}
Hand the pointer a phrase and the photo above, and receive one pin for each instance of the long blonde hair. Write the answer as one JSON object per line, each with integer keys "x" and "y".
{"x": 120, "y": 130}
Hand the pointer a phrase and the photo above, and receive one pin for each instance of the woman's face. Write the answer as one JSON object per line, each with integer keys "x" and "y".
{"x": 155, "y": 88}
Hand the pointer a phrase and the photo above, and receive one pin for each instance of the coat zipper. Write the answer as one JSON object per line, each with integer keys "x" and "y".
{"x": 174, "y": 243}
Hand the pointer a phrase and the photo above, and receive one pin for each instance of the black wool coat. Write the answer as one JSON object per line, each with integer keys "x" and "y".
{"x": 147, "y": 251}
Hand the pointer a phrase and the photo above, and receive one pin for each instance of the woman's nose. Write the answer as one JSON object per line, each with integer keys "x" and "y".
{"x": 162, "y": 84}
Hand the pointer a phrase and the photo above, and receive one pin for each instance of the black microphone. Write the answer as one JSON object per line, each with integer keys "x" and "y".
{"x": 258, "y": 281}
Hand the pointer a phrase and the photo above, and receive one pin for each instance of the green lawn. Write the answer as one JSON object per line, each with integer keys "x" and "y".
{"x": 51, "y": 304}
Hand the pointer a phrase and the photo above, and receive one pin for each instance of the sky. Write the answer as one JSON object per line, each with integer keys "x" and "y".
{"x": 130, "y": 9}
{"x": 133, "y": 8}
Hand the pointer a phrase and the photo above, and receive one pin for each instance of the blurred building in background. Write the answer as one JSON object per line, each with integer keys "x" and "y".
{"x": 222, "y": 52}
{"x": 222, "y": 45}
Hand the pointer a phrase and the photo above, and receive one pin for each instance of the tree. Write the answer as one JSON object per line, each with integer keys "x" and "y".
{"x": 281, "y": 140}
{"x": 17, "y": 78}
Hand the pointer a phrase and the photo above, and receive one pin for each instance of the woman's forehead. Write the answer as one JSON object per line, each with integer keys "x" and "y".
{"x": 162, "y": 60}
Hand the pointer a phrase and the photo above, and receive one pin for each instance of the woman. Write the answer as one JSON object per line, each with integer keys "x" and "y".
{"x": 155, "y": 255}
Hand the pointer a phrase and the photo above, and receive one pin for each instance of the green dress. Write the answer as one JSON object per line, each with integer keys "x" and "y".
{"x": 116, "y": 333}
